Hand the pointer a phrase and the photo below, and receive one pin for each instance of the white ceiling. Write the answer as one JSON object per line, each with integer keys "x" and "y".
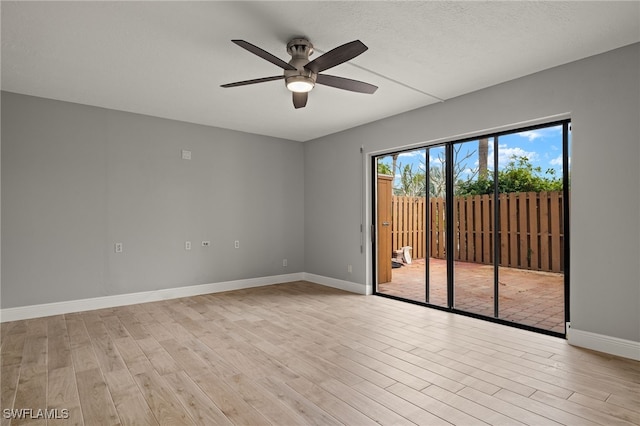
{"x": 168, "y": 59}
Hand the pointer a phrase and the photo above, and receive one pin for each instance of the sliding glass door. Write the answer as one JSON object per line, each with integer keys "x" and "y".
{"x": 479, "y": 226}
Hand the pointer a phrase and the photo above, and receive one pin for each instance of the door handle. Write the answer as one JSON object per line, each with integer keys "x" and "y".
{"x": 385, "y": 223}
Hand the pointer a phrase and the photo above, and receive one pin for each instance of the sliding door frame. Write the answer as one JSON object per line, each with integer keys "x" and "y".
{"x": 450, "y": 237}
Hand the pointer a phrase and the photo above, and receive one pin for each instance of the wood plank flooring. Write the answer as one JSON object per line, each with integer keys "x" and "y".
{"x": 302, "y": 354}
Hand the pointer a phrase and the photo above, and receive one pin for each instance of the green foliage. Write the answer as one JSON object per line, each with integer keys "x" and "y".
{"x": 518, "y": 176}
{"x": 384, "y": 169}
{"x": 475, "y": 187}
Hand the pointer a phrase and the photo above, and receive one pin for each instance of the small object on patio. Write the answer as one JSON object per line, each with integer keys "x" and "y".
{"x": 396, "y": 265}
{"x": 406, "y": 254}
{"x": 397, "y": 255}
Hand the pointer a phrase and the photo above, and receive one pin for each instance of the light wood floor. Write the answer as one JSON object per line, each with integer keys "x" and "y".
{"x": 303, "y": 354}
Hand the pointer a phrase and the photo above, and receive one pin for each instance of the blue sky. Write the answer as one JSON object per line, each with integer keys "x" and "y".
{"x": 543, "y": 148}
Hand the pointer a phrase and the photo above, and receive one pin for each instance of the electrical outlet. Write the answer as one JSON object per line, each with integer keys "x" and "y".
{"x": 206, "y": 243}
{"x": 186, "y": 155}
{"x": 284, "y": 262}
{"x": 187, "y": 245}
{"x": 349, "y": 268}
{"x": 118, "y": 247}
{"x": 236, "y": 244}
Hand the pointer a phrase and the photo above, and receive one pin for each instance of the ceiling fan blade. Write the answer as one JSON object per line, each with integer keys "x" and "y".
{"x": 300, "y": 99}
{"x": 346, "y": 84}
{"x": 254, "y": 81}
{"x": 264, "y": 54}
{"x": 336, "y": 56}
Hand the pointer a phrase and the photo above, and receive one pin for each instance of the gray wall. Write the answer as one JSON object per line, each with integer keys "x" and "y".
{"x": 77, "y": 179}
{"x": 601, "y": 94}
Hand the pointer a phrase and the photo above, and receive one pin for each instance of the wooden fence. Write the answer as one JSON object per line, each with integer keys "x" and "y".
{"x": 531, "y": 233}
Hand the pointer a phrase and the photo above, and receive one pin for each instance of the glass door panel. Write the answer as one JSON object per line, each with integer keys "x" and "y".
{"x": 473, "y": 224}
{"x": 437, "y": 236}
{"x": 401, "y": 224}
{"x": 530, "y": 274}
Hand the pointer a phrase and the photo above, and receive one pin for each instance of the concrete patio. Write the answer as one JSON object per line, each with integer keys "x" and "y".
{"x": 526, "y": 297}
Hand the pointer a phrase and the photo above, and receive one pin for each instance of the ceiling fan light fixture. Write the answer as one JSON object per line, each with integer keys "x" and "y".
{"x": 300, "y": 83}
{"x": 300, "y": 76}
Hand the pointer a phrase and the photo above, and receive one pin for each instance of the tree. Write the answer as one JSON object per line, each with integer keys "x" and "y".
{"x": 412, "y": 184}
{"x": 437, "y": 171}
{"x": 384, "y": 169}
{"x": 394, "y": 164}
{"x": 483, "y": 154}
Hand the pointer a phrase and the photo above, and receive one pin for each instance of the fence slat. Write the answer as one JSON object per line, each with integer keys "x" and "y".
{"x": 513, "y": 230}
{"x": 433, "y": 229}
{"x": 467, "y": 213}
{"x": 433, "y": 225}
{"x": 523, "y": 246}
{"x": 533, "y": 230}
{"x": 406, "y": 223}
{"x": 487, "y": 225}
{"x": 460, "y": 218}
{"x": 419, "y": 240}
{"x": 441, "y": 227}
{"x": 556, "y": 209}
{"x": 415, "y": 240}
{"x": 394, "y": 222}
{"x": 504, "y": 230}
{"x": 544, "y": 231}
{"x": 477, "y": 230}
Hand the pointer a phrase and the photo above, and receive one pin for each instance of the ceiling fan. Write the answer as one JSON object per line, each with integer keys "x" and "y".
{"x": 301, "y": 75}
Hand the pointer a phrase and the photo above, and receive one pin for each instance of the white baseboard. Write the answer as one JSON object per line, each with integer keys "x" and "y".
{"x": 58, "y": 308}
{"x": 607, "y": 344}
{"x": 336, "y": 283}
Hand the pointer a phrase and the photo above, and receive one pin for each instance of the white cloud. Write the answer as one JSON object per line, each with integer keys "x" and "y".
{"x": 556, "y": 161}
{"x": 411, "y": 154}
{"x": 531, "y": 135}
{"x": 505, "y": 154}
{"x": 543, "y": 133}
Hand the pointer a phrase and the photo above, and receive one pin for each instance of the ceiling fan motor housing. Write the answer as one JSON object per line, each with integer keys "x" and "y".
{"x": 300, "y": 49}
